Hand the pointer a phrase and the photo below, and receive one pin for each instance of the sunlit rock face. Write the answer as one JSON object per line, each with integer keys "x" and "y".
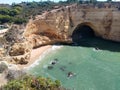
{"x": 59, "y": 24}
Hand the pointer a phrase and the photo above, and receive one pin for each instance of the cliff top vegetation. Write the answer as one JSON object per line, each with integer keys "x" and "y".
{"x": 22, "y": 12}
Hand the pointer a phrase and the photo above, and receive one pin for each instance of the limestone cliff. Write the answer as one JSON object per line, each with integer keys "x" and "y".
{"x": 59, "y": 24}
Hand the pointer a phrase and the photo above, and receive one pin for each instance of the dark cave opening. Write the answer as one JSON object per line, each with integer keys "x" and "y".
{"x": 81, "y": 33}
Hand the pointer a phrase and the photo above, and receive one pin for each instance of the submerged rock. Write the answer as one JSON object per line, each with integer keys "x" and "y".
{"x": 54, "y": 61}
{"x": 70, "y": 63}
{"x": 50, "y": 67}
{"x": 62, "y": 68}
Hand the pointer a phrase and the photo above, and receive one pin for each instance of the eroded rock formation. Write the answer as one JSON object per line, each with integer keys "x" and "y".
{"x": 20, "y": 53}
{"x": 14, "y": 48}
{"x": 59, "y": 24}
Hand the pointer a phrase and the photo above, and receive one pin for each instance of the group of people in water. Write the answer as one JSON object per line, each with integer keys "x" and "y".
{"x": 54, "y": 62}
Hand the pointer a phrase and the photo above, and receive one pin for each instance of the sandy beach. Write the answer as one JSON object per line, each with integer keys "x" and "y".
{"x": 35, "y": 54}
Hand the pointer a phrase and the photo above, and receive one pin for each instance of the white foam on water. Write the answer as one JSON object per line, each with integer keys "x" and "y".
{"x": 53, "y": 48}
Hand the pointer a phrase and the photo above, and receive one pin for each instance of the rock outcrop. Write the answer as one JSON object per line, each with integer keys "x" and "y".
{"x": 18, "y": 49}
{"x": 20, "y": 53}
{"x": 15, "y": 49}
{"x": 59, "y": 24}
{"x": 14, "y": 34}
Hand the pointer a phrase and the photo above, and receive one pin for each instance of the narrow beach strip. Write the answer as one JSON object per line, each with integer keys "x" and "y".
{"x": 35, "y": 54}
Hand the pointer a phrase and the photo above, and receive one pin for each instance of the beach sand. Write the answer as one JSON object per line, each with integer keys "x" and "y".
{"x": 35, "y": 54}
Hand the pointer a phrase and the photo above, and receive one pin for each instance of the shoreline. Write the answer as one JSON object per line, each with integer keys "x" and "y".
{"x": 35, "y": 54}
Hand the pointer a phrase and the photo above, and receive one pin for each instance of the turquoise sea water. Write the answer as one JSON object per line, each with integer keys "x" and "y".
{"x": 93, "y": 69}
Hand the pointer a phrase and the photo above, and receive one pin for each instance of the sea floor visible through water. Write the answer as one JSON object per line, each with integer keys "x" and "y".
{"x": 94, "y": 64}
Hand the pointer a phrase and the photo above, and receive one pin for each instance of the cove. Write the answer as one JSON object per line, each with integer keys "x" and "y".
{"x": 93, "y": 69}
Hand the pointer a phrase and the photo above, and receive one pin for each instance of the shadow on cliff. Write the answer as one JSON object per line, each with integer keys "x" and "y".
{"x": 99, "y": 44}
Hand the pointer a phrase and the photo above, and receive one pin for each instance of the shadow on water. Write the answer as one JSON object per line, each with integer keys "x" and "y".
{"x": 84, "y": 36}
{"x": 99, "y": 43}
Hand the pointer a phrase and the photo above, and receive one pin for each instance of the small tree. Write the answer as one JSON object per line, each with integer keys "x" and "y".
{"x": 29, "y": 82}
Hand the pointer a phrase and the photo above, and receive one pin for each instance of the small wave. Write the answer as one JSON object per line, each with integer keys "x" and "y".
{"x": 55, "y": 47}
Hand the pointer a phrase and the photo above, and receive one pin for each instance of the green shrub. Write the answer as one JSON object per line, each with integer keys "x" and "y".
{"x": 14, "y": 85}
{"x": 33, "y": 83}
{"x": 19, "y": 20}
{"x": 4, "y": 11}
{"x": 5, "y": 18}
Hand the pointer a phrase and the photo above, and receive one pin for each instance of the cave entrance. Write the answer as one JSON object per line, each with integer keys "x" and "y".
{"x": 82, "y": 32}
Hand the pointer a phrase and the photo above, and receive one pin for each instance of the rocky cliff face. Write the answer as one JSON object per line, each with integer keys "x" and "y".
{"x": 40, "y": 32}
{"x": 59, "y": 24}
{"x": 15, "y": 49}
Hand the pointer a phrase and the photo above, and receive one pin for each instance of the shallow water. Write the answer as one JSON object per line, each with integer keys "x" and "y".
{"x": 93, "y": 69}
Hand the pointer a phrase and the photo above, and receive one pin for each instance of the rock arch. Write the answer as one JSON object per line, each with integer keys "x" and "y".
{"x": 63, "y": 22}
